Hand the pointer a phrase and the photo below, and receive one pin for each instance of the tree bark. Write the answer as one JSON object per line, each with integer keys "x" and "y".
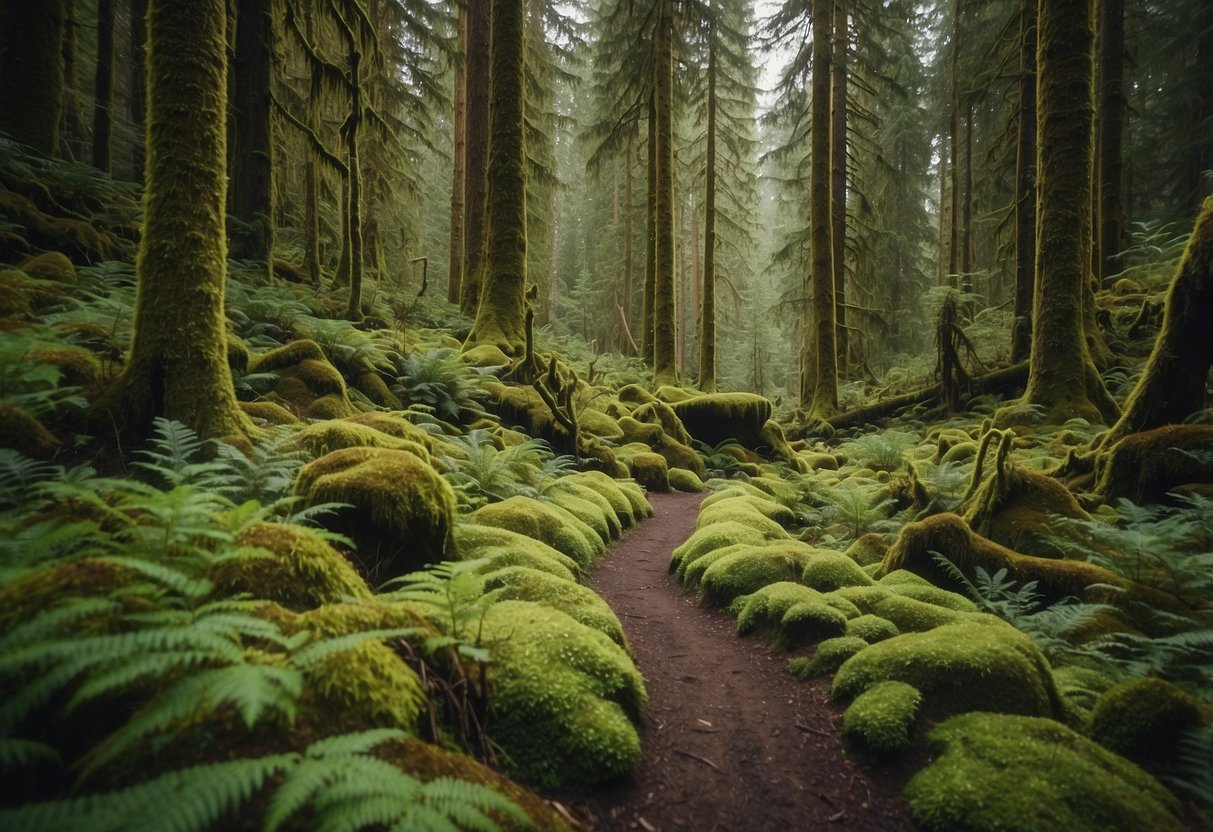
{"x": 252, "y": 185}
{"x": 138, "y": 85}
{"x": 178, "y": 366}
{"x": 476, "y": 165}
{"x": 650, "y": 243}
{"x": 31, "y": 72}
{"x": 454, "y": 281}
{"x": 1112, "y": 109}
{"x": 838, "y": 177}
{"x": 103, "y": 90}
{"x": 73, "y": 132}
{"x": 707, "y": 312}
{"x": 665, "y": 368}
{"x": 628, "y": 233}
{"x": 1025, "y": 187}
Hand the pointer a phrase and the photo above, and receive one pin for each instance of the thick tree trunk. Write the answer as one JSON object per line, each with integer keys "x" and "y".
{"x": 665, "y": 370}
{"x": 838, "y": 177}
{"x": 1062, "y": 378}
{"x": 311, "y": 178}
{"x": 650, "y": 230}
{"x": 31, "y": 72}
{"x": 1112, "y": 108}
{"x": 454, "y": 280}
{"x": 707, "y": 319}
{"x": 821, "y": 401}
{"x": 1025, "y": 187}
{"x": 476, "y": 164}
{"x": 103, "y": 90}
{"x": 252, "y": 185}
{"x": 138, "y": 85}
{"x": 178, "y": 365}
{"x": 501, "y": 312}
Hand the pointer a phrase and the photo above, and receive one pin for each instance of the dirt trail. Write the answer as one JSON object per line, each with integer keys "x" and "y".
{"x": 731, "y": 741}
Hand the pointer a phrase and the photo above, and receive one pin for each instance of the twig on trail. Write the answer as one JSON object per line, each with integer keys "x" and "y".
{"x": 837, "y": 816}
{"x": 703, "y": 760}
{"x": 634, "y": 615}
{"x": 812, "y": 730}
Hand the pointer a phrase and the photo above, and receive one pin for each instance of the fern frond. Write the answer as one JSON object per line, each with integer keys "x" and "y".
{"x": 17, "y": 753}
{"x": 323, "y": 649}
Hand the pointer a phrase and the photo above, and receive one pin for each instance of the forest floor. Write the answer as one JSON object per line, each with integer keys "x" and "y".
{"x": 731, "y": 741}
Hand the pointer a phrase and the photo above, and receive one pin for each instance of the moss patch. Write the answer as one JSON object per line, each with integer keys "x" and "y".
{"x": 829, "y": 656}
{"x": 629, "y": 506}
{"x": 649, "y": 469}
{"x": 746, "y": 569}
{"x": 872, "y": 628}
{"x": 502, "y": 547}
{"x": 301, "y": 573}
{"x": 827, "y": 571}
{"x": 881, "y": 720}
{"x": 796, "y": 614}
{"x": 544, "y": 522}
{"x": 1144, "y": 719}
{"x": 1023, "y": 774}
{"x": 711, "y": 538}
{"x": 582, "y": 604}
{"x": 683, "y": 480}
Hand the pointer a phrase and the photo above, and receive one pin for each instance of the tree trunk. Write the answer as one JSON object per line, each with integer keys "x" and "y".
{"x": 954, "y": 152}
{"x": 252, "y": 185}
{"x": 178, "y": 365}
{"x": 1062, "y": 377}
{"x": 103, "y": 91}
{"x": 628, "y": 233}
{"x": 821, "y": 401}
{"x": 1112, "y": 108}
{"x": 311, "y": 176}
{"x": 353, "y": 209}
{"x": 31, "y": 72}
{"x": 454, "y": 279}
{"x": 665, "y": 370}
{"x": 707, "y": 319}
{"x": 1025, "y": 187}
{"x": 138, "y": 85}
{"x": 73, "y": 133}
{"x": 838, "y": 176}
{"x": 966, "y": 220}
{"x": 650, "y": 244}
{"x": 501, "y": 312}
{"x": 476, "y": 164}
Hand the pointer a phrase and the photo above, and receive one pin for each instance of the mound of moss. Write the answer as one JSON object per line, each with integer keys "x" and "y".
{"x": 908, "y": 614}
{"x": 829, "y": 656}
{"x": 828, "y": 570}
{"x": 399, "y": 511}
{"x": 717, "y": 510}
{"x": 501, "y": 547}
{"x": 610, "y": 511}
{"x": 958, "y": 668}
{"x": 545, "y": 522}
{"x": 796, "y": 614}
{"x": 872, "y": 628}
{"x": 711, "y": 538}
{"x": 1144, "y": 719}
{"x": 301, "y": 571}
{"x": 649, "y": 469}
{"x": 743, "y": 570}
{"x": 741, "y": 510}
{"x": 563, "y": 697}
{"x": 714, "y": 418}
{"x": 683, "y": 480}
{"x": 603, "y": 521}
{"x": 320, "y": 438}
{"x": 999, "y": 773}
{"x": 627, "y": 499}
{"x": 582, "y": 604}
{"x": 881, "y": 720}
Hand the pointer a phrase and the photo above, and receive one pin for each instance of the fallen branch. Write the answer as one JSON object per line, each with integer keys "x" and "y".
{"x": 703, "y": 760}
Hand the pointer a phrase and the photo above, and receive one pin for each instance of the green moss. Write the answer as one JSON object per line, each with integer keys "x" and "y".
{"x": 1144, "y": 719}
{"x": 645, "y": 433}
{"x": 749, "y": 568}
{"x": 603, "y": 522}
{"x": 634, "y": 394}
{"x": 827, "y": 571}
{"x": 302, "y": 570}
{"x": 1023, "y": 774}
{"x": 400, "y": 512}
{"x": 592, "y": 420}
{"x": 485, "y": 355}
{"x": 910, "y": 615}
{"x": 393, "y": 425}
{"x": 902, "y": 577}
{"x": 745, "y": 511}
{"x": 720, "y": 416}
{"x": 728, "y": 489}
{"x": 720, "y": 509}
{"x": 502, "y": 547}
{"x": 613, "y": 492}
{"x": 660, "y": 413}
{"x": 959, "y": 667}
{"x": 794, "y": 613}
{"x": 520, "y": 583}
{"x": 669, "y": 394}
{"x": 53, "y": 266}
{"x": 935, "y": 596}
{"x": 331, "y": 406}
{"x": 650, "y": 470}
{"x": 709, "y": 539}
{"x": 268, "y": 413}
{"x": 819, "y": 461}
{"x": 564, "y": 697}
{"x": 76, "y": 365}
{"x": 882, "y": 719}
{"x": 287, "y": 356}
{"x": 1079, "y": 689}
{"x": 611, "y": 514}
{"x": 325, "y": 437}
{"x": 688, "y": 481}
{"x": 544, "y": 522}
{"x": 829, "y": 656}
{"x": 22, "y": 432}
{"x": 372, "y": 385}
{"x": 872, "y": 628}
{"x": 678, "y": 455}
{"x": 867, "y": 549}
{"x": 635, "y": 494}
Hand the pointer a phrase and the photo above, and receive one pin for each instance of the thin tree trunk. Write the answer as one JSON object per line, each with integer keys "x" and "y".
{"x": 252, "y": 185}
{"x": 72, "y": 137}
{"x": 353, "y": 210}
{"x": 966, "y": 228}
{"x": 650, "y": 245}
{"x": 838, "y": 175}
{"x": 31, "y": 72}
{"x": 628, "y": 265}
{"x": 103, "y": 90}
{"x": 664, "y": 357}
{"x": 1111, "y": 126}
{"x": 454, "y": 280}
{"x": 954, "y": 150}
{"x": 707, "y": 322}
{"x": 1025, "y": 188}
{"x": 138, "y": 85}
{"x": 476, "y": 166}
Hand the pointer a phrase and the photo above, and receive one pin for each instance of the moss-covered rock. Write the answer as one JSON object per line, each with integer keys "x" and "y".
{"x": 628, "y": 506}
{"x": 867, "y": 549}
{"x": 22, "y": 432}
{"x": 959, "y": 667}
{"x": 1079, "y": 688}
{"x": 287, "y": 356}
{"x": 828, "y": 570}
{"x": 54, "y": 266}
{"x": 616, "y": 522}
{"x": 882, "y": 719}
{"x": 1144, "y": 719}
{"x": 746, "y": 569}
{"x": 321, "y": 438}
{"x": 829, "y": 656}
{"x": 301, "y": 571}
{"x": 393, "y": 424}
{"x": 724, "y": 509}
{"x": 934, "y": 596}
{"x": 521, "y": 583}
{"x": 714, "y": 418}
{"x": 872, "y": 628}
{"x": 687, "y": 481}
{"x": 997, "y": 773}
{"x": 268, "y": 413}
{"x": 910, "y": 615}
{"x": 602, "y": 520}
{"x": 661, "y": 414}
{"x": 77, "y": 366}
{"x": 745, "y": 512}
{"x": 544, "y": 522}
{"x": 795, "y": 614}
{"x": 711, "y": 538}
{"x": 564, "y": 697}
{"x": 502, "y": 547}
{"x": 400, "y": 512}
{"x": 649, "y": 469}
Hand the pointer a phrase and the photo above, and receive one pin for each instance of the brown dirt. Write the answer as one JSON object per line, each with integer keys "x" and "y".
{"x": 731, "y": 741}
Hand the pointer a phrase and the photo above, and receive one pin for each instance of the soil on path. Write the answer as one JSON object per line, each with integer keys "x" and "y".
{"x": 731, "y": 741}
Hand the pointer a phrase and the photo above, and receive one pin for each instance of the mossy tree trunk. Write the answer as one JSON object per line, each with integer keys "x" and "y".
{"x": 252, "y": 185}
{"x": 1172, "y": 387}
{"x": 954, "y": 151}
{"x": 31, "y": 72}
{"x": 820, "y": 397}
{"x": 501, "y": 313}
{"x": 138, "y": 84}
{"x": 454, "y": 279}
{"x": 665, "y": 368}
{"x": 628, "y": 265}
{"x": 1112, "y": 109}
{"x": 1062, "y": 378}
{"x": 838, "y": 176}
{"x": 73, "y": 131}
{"x": 707, "y": 324}
{"x": 178, "y": 366}
{"x": 476, "y": 163}
{"x": 103, "y": 90}
{"x": 1025, "y": 186}
{"x": 650, "y": 232}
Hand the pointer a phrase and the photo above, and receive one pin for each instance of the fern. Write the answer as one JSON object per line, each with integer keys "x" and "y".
{"x": 883, "y": 451}
{"x": 454, "y": 590}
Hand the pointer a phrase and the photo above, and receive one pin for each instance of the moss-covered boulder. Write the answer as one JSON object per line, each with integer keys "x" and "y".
{"x": 872, "y": 628}
{"x": 545, "y": 522}
{"x": 300, "y": 570}
{"x": 795, "y": 614}
{"x": 399, "y": 513}
{"x": 745, "y": 511}
{"x": 959, "y": 667}
{"x": 686, "y": 481}
{"x": 882, "y": 719}
{"x": 746, "y": 569}
{"x": 998, "y": 773}
{"x": 320, "y": 438}
{"x": 564, "y": 697}
{"x": 582, "y": 604}
{"x": 649, "y": 469}
{"x": 908, "y": 614}
{"x": 626, "y": 498}
{"x": 830, "y": 655}
{"x": 711, "y": 538}
{"x": 501, "y": 548}
{"x": 22, "y": 432}
{"x": 1144, "y": 719}
{"x": 616, "y": 515}
{"x": 714, "y": 418}
{"x": 716, "y": 510}
{"x": 828, "y": 570}
{"x": 588, "y": 510}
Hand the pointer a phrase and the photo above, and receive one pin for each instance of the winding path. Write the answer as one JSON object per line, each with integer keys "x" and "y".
{"x": 731, "y": 741}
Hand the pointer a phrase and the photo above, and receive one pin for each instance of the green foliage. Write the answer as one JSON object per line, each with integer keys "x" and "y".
{"x": 881, "y": 719}
{"x": 438, "y": 380}
{"x": 883, "y": 450}
{"x": 31, "y": 384}
{"x": 454, "y": 591}
{"x": 718, "y": 461}
{"x": 856, "y": 508}
{"x": 482, "y": 472}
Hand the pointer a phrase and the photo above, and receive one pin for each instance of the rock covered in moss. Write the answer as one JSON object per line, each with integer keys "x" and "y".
{"x": 710, "y": 538}
{"x": 54, "y": 266}
{"x": 1144, "y": 719}
{"x": 687, "y": 481}
{"x": 872, "y": 628}
{"x": 867, "y": 549}
{"x": 958, "y": 668}
{"x": 828, "y": 570}
{"x": 501, "y": 547}
{"x": 715, "y": 510}
{"x": 742, "y": 570}
{"x": 719, "y": 416}
{"x": 301, "y": 571}
{"x": 626, "y": 498}
{"x": 909, "y": 614}
{"x": 582, "y": 604}
{"x": 881, "y": 720}
{"x": 400, "y": 512}
{"x": 544, "y": 522}
{"x": 1079, "y": 688}
{"x": 564, "y": 697}
{"x": 747, "y": 512}
{"x": 22, "y": 432}
{"x": 829, "y": 656}
{"x": 796, "y": 614}
{"x": 999, "y": 773}
{"x": 649, "y": 469}
{"x": 321, "y": 438}
{"x": 617, "y": 514}
{"x": 587, "y": 509}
